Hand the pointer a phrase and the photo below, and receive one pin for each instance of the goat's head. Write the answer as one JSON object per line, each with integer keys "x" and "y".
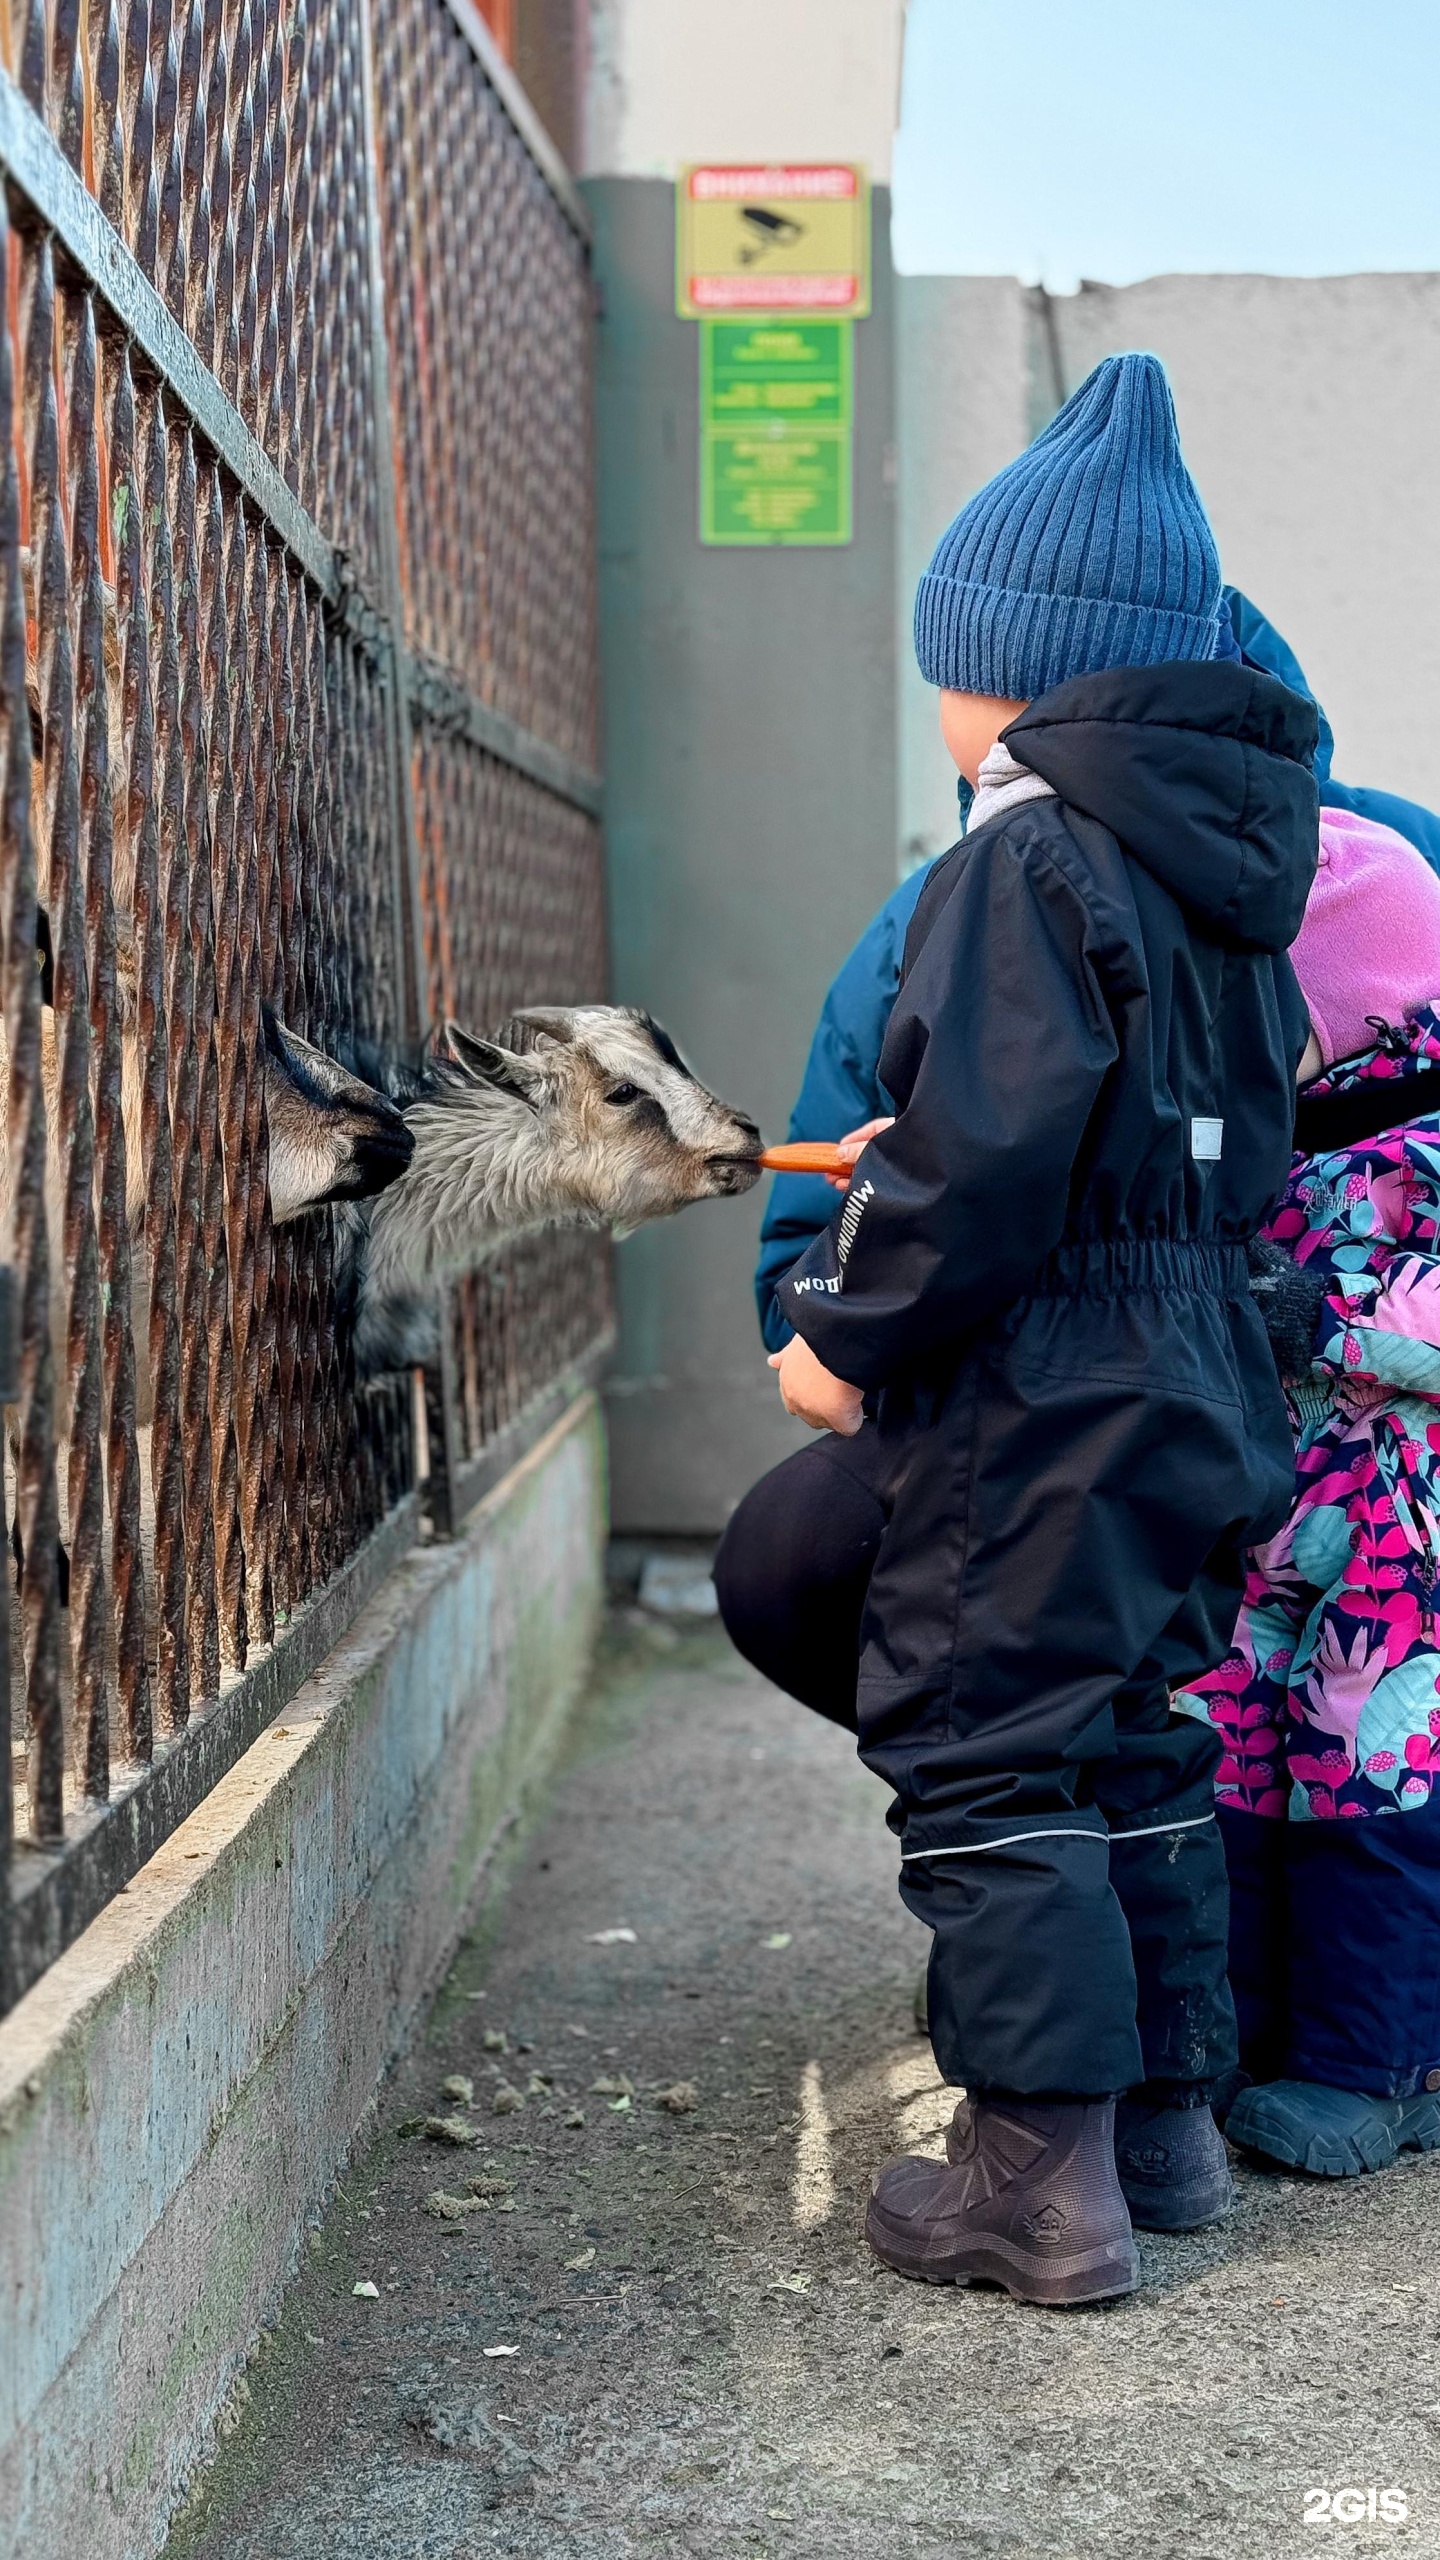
{"x": 331, "y": 1137}
{"x": 611, "y": 1122}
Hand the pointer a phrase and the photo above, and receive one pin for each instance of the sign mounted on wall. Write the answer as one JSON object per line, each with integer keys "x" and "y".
{"x": 773, "y": 236}
{"x": 775, "y": 418}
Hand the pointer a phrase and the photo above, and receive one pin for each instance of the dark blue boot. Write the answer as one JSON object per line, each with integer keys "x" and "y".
{"x": 1331, "y": 2133}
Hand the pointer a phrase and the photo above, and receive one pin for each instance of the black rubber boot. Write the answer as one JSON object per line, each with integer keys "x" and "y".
{"x": 1028, "y": 2199}
{"x": 1173, "y": 2166}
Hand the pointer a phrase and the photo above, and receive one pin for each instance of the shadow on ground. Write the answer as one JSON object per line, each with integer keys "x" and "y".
{"x": 658, "y": 2331}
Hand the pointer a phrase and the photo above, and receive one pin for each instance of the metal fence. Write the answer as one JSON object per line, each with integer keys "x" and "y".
{"x": 297, "y": 706}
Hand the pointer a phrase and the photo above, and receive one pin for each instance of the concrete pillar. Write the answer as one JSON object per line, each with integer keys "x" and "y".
{"x": 749, "y": 695}
{"x": 962, "y": 410}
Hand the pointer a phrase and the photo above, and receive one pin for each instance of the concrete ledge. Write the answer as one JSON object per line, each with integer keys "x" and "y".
{"x": 179, "y": 2092}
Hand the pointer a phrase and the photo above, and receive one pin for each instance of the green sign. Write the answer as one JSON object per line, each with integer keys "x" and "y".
{"x": 776, "y": 413}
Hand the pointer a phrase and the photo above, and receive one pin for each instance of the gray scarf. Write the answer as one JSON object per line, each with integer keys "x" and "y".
{"x": 1003, "y": 785}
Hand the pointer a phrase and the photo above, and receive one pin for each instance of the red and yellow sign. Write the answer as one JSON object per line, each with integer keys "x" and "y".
{"x": 773, "y": 236}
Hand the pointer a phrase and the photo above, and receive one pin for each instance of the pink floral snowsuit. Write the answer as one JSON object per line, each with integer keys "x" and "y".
{"x": 1329, "y": 1702}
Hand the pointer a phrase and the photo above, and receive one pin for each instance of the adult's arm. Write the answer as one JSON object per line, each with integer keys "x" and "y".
{"x": 841, "y": 1091}
{"x": 998, "y": 1045}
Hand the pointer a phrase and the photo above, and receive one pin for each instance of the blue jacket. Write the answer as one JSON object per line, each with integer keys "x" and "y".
{"x": 841, "y": 1086}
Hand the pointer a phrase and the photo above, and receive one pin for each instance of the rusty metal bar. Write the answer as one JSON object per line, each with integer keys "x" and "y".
{"x": 410, "y": 933}
{"x": 36, "y": 1505}
{"x": 62, "y": 889}
{"x": 444, "y": 1440}
{"x": 217, "y": 1030}
{"x": 143, "y": 589}
{"x": 476, "y": 1476}
{"x": 183, "y": 872}
{"x": 438, "y": 699}
{"x": 104, "y": 1458}
{"x": 9, "y": 1391}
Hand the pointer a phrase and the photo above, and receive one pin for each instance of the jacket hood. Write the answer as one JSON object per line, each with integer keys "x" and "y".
{"x": 1261, "y": 645}
{"x": 1203, "y": 773}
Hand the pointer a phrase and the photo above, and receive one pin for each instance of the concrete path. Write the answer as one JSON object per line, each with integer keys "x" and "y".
{"x": 662, "y": 2333}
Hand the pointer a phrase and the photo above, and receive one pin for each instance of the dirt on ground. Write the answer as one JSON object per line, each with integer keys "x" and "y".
{"x": 595, "y": 2282}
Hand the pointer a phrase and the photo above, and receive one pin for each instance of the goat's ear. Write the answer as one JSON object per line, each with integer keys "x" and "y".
{"x": 275, "y": 1036}
{"x": 308, "y": 1068}
{"x": 539, "y": 1022}
{"x": 485, "y": 1062}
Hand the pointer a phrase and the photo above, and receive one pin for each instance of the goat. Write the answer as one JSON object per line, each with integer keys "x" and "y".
{"x": 331, "y": 1136}
{"x": 571, "y": 1116}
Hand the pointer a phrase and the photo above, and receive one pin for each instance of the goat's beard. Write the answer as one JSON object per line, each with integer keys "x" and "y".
{"x": 663, "y": 1192}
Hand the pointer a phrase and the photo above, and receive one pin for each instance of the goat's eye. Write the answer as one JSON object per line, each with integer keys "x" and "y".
{"x": 620, "y": 1094}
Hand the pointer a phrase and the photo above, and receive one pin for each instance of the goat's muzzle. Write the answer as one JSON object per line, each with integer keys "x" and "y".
{"x": 740, "y": 1171}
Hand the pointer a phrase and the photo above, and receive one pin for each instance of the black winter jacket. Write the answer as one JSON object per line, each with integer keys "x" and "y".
{"x": 1097, "y": 1031}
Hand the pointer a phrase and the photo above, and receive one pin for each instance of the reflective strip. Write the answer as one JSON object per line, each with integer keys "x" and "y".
{"x": 1012, "y": 1839}
{"x": 1153, "y": 1830}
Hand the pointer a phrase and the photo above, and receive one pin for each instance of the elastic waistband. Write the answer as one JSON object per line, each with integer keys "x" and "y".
{"x": 1153, "y": 1262}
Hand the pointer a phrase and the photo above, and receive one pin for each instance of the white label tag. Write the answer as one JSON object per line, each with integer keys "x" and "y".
{"x": 1205, "y": 1138}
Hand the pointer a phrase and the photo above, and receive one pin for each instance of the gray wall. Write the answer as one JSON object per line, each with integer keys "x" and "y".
{"x": 1308, "y": 410}
{"x": 750, "y": 825}
{"x": 963, "y": 367}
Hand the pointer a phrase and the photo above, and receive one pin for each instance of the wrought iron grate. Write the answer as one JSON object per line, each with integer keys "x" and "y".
{"x": 297, "y": 708}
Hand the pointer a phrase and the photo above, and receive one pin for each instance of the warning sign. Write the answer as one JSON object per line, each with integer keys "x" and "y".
{"x": 773, "y": 236}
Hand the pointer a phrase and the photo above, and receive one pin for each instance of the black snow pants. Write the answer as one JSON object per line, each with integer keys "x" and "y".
{"x": 793, "y": 1568}
{"x": 1062, "y": 1548}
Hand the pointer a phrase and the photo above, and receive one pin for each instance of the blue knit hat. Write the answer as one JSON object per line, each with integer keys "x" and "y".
{"x": 1091, "y": 550}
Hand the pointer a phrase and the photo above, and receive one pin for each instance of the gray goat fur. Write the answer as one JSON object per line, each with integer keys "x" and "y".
{"x": 572, "y": 1116}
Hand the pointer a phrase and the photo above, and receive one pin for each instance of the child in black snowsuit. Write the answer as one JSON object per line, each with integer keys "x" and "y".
{"x": 1040, "y": 1276}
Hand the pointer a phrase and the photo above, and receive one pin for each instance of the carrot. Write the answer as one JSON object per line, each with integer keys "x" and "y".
{"x": 804, "y": 1155}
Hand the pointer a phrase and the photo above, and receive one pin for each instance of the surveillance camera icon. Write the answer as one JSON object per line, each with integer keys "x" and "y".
{"x": 767, "y": 230}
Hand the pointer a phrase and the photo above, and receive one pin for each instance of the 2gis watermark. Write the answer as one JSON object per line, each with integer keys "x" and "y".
{"x": 1351, "y": 2505}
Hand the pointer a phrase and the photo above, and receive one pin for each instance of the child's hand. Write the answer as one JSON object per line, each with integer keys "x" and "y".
{"x": 808, "y": 1390}
{"x": 851, "y": 1148}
